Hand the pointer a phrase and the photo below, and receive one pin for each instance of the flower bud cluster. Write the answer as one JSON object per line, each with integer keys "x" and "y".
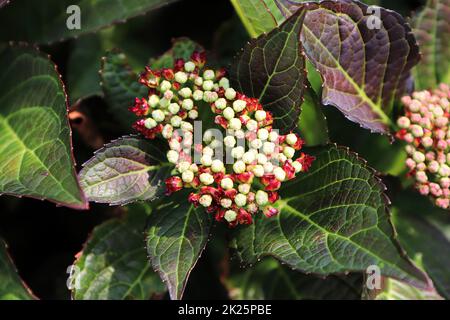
{"x": 425, "y": 129}
{"x": 261, "y": 158}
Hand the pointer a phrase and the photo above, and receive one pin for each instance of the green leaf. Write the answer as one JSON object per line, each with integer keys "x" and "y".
{"x": 120, "y": 86}
{"x": 83, "y": 66}
{"x": 431, "y": 27}
{"x": 126, "y": 170}
{"x": 11, "y": 286}
{"x": 35, "y": 139}
{"x": 423, "y": 242}
{"x": 332, "y": 219}
{"x": 268, "y": 280}
{"x": 113, "y": 264}
{"x": 313, "y": 123}
{"x": 49, "y": 22}
{"x": 272, "y": 69}
{"x": 182, "y": 48}
{"x": 255, "y": 16}
{"x": 177, "y": 235}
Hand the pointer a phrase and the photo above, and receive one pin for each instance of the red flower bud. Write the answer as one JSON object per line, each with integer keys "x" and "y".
{"x": 269, "y": 211}
{"x": 168, "y": 74}
{"x": 289, "y": 169}
{"x": 179, "y": 65}
{"x": 221, "y": 121}
{"x": 244, "y": 217}
{"x": 246, "y": 177}
{"x": 173, "y": 184}
{"x": 273, "y": 196}
{"x": 306, "y": 161}
{"x": 199, "y": 59}
{"x": 194, "y": 198}
{"x": 140, "y": 107}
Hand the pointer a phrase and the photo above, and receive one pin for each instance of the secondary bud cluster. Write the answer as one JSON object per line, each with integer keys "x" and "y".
{"x": 425, "y": 128}
{"x": 261, "y": 158}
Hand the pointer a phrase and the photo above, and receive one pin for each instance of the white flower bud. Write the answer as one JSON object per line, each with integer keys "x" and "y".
{"x": 153, "y": 101}
{"x": 208, "y": 85}
{"x": 252, "y": 125}
{"x": 403, "y": 122}
{"x": 239, "y": 167}
{"x": 248, "y": 157}
{"x": 229, "y": 141}
{"x": 158, "y": 115}
{"x": 297, "y": 166}
{"x": 206, "y": 160}
{"x": 193, "y": 168}
{"x": 261, "y": 158}
{"x": 230, "y": 215}
{"x": 181, "y": 77}
{"x": 197, "y": 95}
{"x": 240, "y": 200}
{"x": 226, "y": 203}
{"x": 168, "y": 95}
{"x": 263, "y": 134}
{"x": 210, "y": 96}
{"x": 273, "y": 136}
{"x": 174, "y": 108}
{"x": 244, "y": 188}
{"x": 289, "y": 152}
{"x": 291, "y": 139}
{"x": 217, "y": 166}
{"x": 239, "y": 134}
{"x": 189, "y": 66}
{"x": 268, "y": 148}
{"x": 206, "y": 179}
{"x": 187, "y": 104}
{"x": 279, "y": 173}
{"x": 198, "y": 81}
{"x": 224, "y": 83}
{"x": 215, "y": 144}
{"x": 282, "y": 158}
{"x": 175, "y": 121}
{"x": 256, "y": 144}
{"x": 165, "y": 85}
{"x": 187, "y": 176}
{"x": 183, "y": 166}
{"x": 221, "y": 103}
{"x": 228, "y": 113}
{"x": 268, "y": 167}
{"x": 172, "y": 156}
{"x": 235, "y": 124}
{"x": 230, "y": 94}
{"x": 226, "y": 183}
{"x": 239, "y": 105}
{"x": 150, "y": 123}
{"x": 187, "y": 126}
{"x": 205, "y": 200}
{"x": 209, "y": 75}
{"x": 167, "y": 131}
{"x": 418, "y": 157}
{"x": 262, "y": 198}
{"x": 207, "y": 151}
{"x": 258, "y": 170}
{"x": 260, "y": 115}
{"x": 185, "y": 92}
{"x": 174, "y": 144}
{"x": 237, "y": 152}
{"x": 193, "y": 114}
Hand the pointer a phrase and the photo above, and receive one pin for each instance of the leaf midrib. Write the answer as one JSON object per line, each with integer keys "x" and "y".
{"x": 284, "y": 204}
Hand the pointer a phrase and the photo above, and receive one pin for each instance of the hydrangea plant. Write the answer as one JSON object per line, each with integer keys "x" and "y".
{"x": 256, "y": 144}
